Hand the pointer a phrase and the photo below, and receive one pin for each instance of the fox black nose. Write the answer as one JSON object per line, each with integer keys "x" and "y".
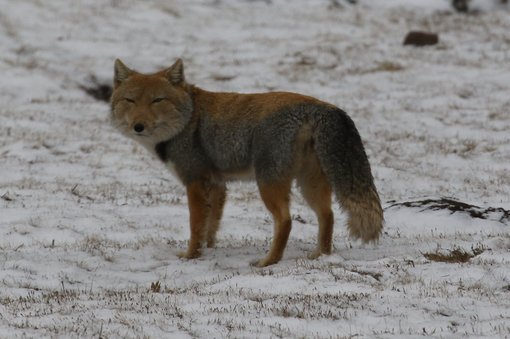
{"x": 139, "y": 128}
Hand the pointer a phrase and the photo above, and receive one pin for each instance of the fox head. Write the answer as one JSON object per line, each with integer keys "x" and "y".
{"x": 150, "y": 107}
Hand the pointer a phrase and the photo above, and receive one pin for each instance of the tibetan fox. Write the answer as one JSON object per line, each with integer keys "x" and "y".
{"x": 207, "y": 139}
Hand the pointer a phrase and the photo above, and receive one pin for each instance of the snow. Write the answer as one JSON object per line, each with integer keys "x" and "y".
{"x": 89, "y": 220}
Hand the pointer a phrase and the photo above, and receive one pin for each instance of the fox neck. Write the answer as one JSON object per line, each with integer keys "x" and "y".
{"x": 160, "y": 148}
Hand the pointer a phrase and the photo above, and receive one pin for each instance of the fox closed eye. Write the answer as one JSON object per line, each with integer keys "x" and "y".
{"x": 129, "y": 100}
{"x": 156, "y": 100}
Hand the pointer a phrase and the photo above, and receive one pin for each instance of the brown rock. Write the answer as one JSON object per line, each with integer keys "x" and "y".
{"x": 417, "y": 38}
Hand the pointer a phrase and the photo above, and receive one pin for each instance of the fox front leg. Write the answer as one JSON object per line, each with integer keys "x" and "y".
{"x": 216, "y": 202}
{"x": 198, "y": 211}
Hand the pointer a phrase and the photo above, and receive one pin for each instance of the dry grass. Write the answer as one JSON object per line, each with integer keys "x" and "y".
{"x": 155, "y": 287}
{"x": 386, "y": 66}
{"x": 456, "y": 255}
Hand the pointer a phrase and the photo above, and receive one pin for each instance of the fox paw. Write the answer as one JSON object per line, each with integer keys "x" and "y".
{"x": 263, "y": 262}
{"x": 256, "y": 263}
{"x": 211, "y": 243}
{"x": 314, "y": 255}
{"x": 189, "y": 254}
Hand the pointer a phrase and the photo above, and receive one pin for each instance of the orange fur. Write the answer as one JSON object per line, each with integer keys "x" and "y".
{"x": 249, "y": 107}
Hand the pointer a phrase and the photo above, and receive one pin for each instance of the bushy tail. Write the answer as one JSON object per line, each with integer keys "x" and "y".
{"x": 344, "y": 161}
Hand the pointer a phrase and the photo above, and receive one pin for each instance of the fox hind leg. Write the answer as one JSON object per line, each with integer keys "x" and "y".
{"x": 276, "y": 199}
{"x": 319, "y": 199}
{"x": 317, "y": 192}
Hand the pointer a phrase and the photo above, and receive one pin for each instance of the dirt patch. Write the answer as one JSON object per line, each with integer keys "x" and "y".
{"x": 457, "y": 255}
{"x": 97, "y": 90}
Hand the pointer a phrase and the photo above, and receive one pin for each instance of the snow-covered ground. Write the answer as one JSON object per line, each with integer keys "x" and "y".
{"x": 90, "y": 223}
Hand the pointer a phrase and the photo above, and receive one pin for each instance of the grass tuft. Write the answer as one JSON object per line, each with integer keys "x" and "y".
{"x": 156, "y": 287}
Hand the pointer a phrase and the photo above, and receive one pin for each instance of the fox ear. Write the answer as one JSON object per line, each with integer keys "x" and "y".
{"x": 176, "y": 72}
{"x": 121, "y": 72}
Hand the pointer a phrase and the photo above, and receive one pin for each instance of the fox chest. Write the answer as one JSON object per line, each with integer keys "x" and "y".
{"x": 184, "y": 159}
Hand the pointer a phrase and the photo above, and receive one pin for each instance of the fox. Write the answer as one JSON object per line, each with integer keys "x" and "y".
{"x": 208, "y": 139}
